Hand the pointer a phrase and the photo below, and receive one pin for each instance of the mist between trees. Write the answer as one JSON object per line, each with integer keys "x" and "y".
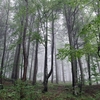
{"x": 55, "y": 41}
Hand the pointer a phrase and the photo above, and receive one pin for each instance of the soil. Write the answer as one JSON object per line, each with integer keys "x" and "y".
{"x": 91, "y": 90}
{"x": 86, "y": 90}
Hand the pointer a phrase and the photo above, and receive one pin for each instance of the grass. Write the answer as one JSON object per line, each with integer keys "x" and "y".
{"x": 55, "y": 92}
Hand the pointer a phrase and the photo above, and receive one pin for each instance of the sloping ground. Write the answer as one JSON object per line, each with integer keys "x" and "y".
{"x": 60, "y": 92}
{"x": 55, "y": 92}
{"x": 92, "y": 90}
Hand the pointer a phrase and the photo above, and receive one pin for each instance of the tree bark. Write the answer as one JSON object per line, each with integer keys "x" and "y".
{"x": 81, "y": 70}
{"x": 56, "y": 67}
{"x": 70, "y": 22}
{"x": 4, "y": 45}
{"x": 31, "y": 63}
{"x": 89, "y": 69}
{"x": 15, "y": 71}
{"x": 63, "y": 75}
{"x": 45, "y": 82}
{"x": 5, "y": 69}
{"x": 98, "y": 64}
{"x": 52, "y": 49}
{"x": 25, "y": 55}
{"x": 35, "y": 63}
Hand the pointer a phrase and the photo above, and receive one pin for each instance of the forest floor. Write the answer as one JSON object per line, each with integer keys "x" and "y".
{"x": 55, "y": 92}
{"x": 64, "y": 92}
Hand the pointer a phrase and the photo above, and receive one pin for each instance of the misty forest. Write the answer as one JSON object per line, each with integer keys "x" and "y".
{"x": 49, "y": 49}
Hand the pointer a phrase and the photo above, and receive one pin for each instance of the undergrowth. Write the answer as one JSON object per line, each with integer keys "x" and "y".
{"x": 25, "y": 91}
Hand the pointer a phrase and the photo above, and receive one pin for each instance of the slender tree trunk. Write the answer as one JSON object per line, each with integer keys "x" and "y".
{"x": 56, "y": 67}
{"x": 6, "y": 64}
{"x": 52, "y": 49}
{"x": 36, "y": 56}
{"x": 98, "y": 64}
{"x": 45, "y": 82}
{"x": 52, "y": 75}
{"x": 63, "y": 72}
{"x": 25, "y": 55}
{"x": 70, "y": 19}
{"x": 35, "y": 64}
{"x": 81, "y": 70}
{"x": 89, "y": 69}
{"x": 28, "y": 49}
{"x": 4, "y": 45}
{"x": 15, "y": 71}
{"x": 81, "y": 79}
{"x": 30, "y": 31}
{"x": 21, "y": 67}
{"x": 31, "y": 63}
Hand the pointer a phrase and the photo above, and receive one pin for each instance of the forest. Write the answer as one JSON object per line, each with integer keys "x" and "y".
{"x": 50, "y": 50}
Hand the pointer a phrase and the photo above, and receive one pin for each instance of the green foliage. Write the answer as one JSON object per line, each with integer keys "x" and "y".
{"x": 34, "y": 93}
{"x": 12, "y": 46}
{"x": 90, "y": 35}
{"x": 95, "y": 75}
{"x": 62, "y": 53}
{"x": 66, "y": 51}
{"x": 36, "y": 36}
{"x": 90, "y": 31}
{"x": 28, "y": 91}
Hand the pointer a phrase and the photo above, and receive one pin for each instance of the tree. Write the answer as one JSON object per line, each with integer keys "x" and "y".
{"x": 56, "y": 66}
{"x": 15, "y": 71}
{"x": 70, "y": 22}
{"x": 63, "y": 71}
{"x": 36, "y": 58}
{"x": 52, "y": 47}
{"x": 4, "y": 46}
{"x": 24, "y": 43}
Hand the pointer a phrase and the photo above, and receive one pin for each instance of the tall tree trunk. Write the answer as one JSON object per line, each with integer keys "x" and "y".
{"x": 81, "y": 79}
{"x": 31, "y": 63}
{"x": 35, "y": 63}
{"x": 21, "y": 67}
{"x": 36, "y": 55}
{"x": 4, "y": 45}
{"x": 89, "y": 69}
{"x": 6, "y": 64}
{"x": 25, "y": 55}
{"x": 45, "y": 82}
{"x": 15, "y": 71}
{"x": 81, "y": 70}
{"x": 98, "y": 64}
{"x": 52, "y": 76}
{"x": 63, "y": 72}
{"x": 52, "y": 49}
{"x": 46, "y": 75}
{"x": 70, "y": 19}
{"x": 30, "y": 31}
{"x": 56, "y": 67}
